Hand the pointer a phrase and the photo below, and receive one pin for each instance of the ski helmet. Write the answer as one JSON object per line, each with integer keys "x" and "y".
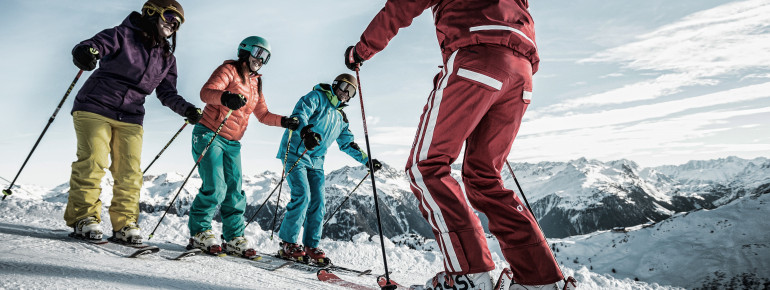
{"x": 346, "y": 82}
{"x": 161, "y": 7}
{"x": 255, "y": 46}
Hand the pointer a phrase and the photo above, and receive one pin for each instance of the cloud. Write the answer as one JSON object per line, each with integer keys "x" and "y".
{"x": 694, "y": 51}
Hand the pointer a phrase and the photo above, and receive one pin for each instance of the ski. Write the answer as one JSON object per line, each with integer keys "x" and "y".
{"x": 312, "y": 267}
{"x": 383, "y": 282}
{"x": 265, "y": 264}
{"x": 185, "y": 254}
{"x": 327, "y": 276}
{"x": 90, "y": 241}
{"x": 141, "y": 249}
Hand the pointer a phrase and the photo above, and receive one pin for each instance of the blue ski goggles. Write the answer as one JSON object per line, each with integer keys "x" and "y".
{"x": 260, "y": 53}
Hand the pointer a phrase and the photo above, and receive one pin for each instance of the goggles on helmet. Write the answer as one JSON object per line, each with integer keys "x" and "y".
{"x": 171, "y": 18}
{"x": 347, "y": 87}
{"x": 168, "y": 14}
{"x": 260, "y": 53}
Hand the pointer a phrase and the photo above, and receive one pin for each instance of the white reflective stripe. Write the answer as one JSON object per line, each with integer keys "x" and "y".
{"x": 433, "y": 209}
{"x": 527, "y": 96}
{"x": 484, "y": 79}
{"x": 437, "y": 97}
{"x": 501, "y": 27}
{"x": 426, "y": 136}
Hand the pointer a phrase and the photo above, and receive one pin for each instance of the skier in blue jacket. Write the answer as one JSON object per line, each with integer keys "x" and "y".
{"x": 321, "y": 122}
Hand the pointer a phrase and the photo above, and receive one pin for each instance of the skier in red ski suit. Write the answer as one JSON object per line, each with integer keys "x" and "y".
{"x": 478, "y": 98}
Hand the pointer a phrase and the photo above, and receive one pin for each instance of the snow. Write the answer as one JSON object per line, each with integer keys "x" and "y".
{"x": 37, "y": 254}
{"x": 714, "y": 247}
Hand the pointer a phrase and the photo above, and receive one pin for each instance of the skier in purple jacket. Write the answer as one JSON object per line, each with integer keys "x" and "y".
{"x": 134, "y": 59}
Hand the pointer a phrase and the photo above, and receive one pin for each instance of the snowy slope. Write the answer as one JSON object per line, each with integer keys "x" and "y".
{"x": 37, "y": 255}
{"x": 723, "y": 248}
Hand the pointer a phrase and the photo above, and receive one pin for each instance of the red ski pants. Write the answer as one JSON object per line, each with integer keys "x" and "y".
{"x": 478, "y": 100}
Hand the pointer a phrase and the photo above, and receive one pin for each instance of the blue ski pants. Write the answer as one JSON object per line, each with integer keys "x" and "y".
{"x": 220, "y": 171}
{"x": 306, "y": 207}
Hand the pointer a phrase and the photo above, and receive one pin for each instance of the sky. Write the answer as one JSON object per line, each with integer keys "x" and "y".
{"x": 654, "y": 82}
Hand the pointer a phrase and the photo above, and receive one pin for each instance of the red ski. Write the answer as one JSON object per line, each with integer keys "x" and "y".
{"x": 329, "y": 277}
{"x": 383, "y": 282}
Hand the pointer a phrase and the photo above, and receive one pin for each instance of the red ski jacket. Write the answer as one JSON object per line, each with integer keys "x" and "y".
{"x": 458, "y": 24}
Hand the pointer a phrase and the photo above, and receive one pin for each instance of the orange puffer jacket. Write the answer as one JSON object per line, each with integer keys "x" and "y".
{"x": 226, "y": 78}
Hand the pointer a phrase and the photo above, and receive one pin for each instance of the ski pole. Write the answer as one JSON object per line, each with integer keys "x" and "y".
{"x": 374, "y": 186}
{"x": 205, "y": 149}
{"x": 276, "y": 187}
{"x": 8, "y": 191}
{"x": 346, "y": 199}
{"x": 566, "y": 280}
{"x": 164, "y": 148}
{"x": 280, "y": 185}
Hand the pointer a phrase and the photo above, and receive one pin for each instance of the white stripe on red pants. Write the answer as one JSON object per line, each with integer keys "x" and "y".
{"x": 478, "y": 100}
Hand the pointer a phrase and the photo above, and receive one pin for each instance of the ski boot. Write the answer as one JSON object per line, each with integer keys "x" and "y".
{"x": 129, "y": 234}
{"x": 317, "y": 256}
{"x": 292, "y": 251}
{"x": 207, "y": 242}
{"x": 239, "y": 246}
{"x": 88, "y": 229}
{"x": 477, "y": 281}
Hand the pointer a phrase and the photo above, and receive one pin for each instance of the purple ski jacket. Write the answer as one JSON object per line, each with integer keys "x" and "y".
{"x": 127, "y": 73}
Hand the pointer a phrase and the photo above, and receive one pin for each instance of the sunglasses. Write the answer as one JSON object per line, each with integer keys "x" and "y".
{"x": 348, "y": 88}
{"x": 260, "y": 53}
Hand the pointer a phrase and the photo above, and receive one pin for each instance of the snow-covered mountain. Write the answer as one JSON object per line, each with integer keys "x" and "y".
{"x": 569, "y": 198}
{"x": 583, "y": 196}
{"x": 723, "y": 248}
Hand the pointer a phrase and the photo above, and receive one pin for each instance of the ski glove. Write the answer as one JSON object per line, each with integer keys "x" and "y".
{"x": 291, "y": 123}
{"x": 374, "y": 164}
{"x": 310, "y": 138}
{"x": 352, "y": 59}
{"x": 85, "y": 57}
{"x": 193, "y": 115}
{"x": 232, "y": 100}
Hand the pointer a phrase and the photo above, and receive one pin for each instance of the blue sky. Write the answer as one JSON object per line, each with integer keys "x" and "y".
{"x": 651, "y": 81}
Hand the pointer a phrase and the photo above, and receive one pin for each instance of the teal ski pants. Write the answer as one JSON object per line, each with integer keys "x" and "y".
{"x": 306, "y": 207}
{"x": 220, "y": 171}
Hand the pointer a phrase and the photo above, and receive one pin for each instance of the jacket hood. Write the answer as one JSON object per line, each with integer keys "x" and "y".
{"x": 132, "y": 21}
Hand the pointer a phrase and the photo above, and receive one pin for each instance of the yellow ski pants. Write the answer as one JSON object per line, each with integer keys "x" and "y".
{"x": 99, "y": 137}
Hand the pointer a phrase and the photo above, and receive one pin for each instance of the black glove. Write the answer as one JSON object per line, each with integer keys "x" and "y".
{"x": 233, "y": 101}
{"x": 311, "y": 139}
{"x": 291, "y": 123}
{"x": 85, "y": 57}
{"x": 352, "y": 59}
{"x": 193, "y": 115}
{"x": 374, "y": 163}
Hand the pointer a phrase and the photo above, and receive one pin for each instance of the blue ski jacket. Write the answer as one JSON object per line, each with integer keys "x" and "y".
{"x": 321, "y": 108}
